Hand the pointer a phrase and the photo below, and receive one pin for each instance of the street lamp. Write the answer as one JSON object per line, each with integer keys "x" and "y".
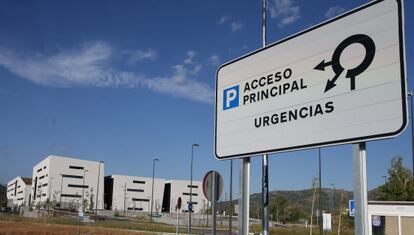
{"x": 97, "y": 188}
{"x": 61, "y": 188}
{"x": 410, "y": 94}
{"x": 191, "y": 187}
{"x": 83, "y": 188}
{"x": 333, "y": 186}
{"x": 50, "y": 186}
{"x": 152, "y": 191}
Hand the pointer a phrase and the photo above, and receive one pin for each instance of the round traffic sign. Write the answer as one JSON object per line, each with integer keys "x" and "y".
{"x": 179, "y": 201}
{"x": 210, "y": 180}
{"x": 190, "y": 206}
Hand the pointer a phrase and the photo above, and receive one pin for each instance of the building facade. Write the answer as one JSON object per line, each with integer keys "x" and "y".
{"x": 19, "y": 192}
{"x": 132, "y": 193}
{"x": 67, "y": 182}
{"x": 175, "y": 189}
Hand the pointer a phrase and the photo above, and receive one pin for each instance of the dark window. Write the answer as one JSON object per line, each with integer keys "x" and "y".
{"x": 19, "y": 199}
{"x": 136, "y": 209}
{"x": 44, "y": 195}
{"x": 140, "y": 200}
{"x": 41, "y": 177}
{"x": 135, "y": 190}
{"x": 39, "y": 170}
{"x": 77, "y": 186}
{"x": 20, "y": 192}
{"x": 72, "y": 176}
{"x": 188, "y": 194}
{"x": 71, "y": 195}
{"x": 19, "y": 186}
{"x": 138, "y": 182}
{"x": 194, "y": 186}
{"x": 44, "y": 185}
{"x": 44, "y": 167}
{"x": 76, "y": 167}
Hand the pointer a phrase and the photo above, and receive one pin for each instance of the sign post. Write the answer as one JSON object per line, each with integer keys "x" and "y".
{"x": 212, "y": 189}
{"x": 341, "y": 81}
{"x": 178, "y": 207}
{"x": 244, "y": 197}
{"x": 359, "y": 177}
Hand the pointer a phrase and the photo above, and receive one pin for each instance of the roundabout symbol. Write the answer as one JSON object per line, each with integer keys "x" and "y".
{"x": 369, "y": 46}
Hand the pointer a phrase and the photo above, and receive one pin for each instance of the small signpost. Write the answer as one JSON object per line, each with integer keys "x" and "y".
{"x": 212, "y": 189}
{"x": 351, "y": 208}
{"x": 177, "y": 208}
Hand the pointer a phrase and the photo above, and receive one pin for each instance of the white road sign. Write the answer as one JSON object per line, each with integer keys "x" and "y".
{"x": 341, "y": 81}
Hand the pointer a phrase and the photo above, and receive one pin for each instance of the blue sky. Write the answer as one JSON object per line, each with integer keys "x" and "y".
{"x": 125, "y": 82}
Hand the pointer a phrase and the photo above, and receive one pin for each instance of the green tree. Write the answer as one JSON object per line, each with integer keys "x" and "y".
{"x": 91, "y": 202}
{"x": 277, "y": 206}
{"x": 399, "y": 185}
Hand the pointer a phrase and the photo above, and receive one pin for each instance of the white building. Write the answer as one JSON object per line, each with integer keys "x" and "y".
{"x": 181, "y": 188}
{"x": 19, "y": 192}
{"x": 137, "y": 196}
{"x": 133, "y": 193}
{"x": 66, "y": 181}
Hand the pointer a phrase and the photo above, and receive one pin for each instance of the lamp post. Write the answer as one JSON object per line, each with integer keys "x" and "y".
{"x": 61, "y": 188}
{"x": 320, "y": 193}
{"x": 191, "y": 187}
{"x": 410, "y": 94}
{"x": 333, "y": 188}
{"x": 152, "y": 191}
{"x": 97, "y": 188}
{"x": 83, "y": 187}
{"x": 50, "y": 186}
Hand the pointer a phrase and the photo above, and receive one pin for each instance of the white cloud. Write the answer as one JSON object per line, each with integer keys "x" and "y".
{"x": 236, "y": 26}
{"x": 214, "y": 60}
{"x": 190, "y": 57}
{"x": 334, "y": 11}
{"x": 135, "y": 56}
{"x": 285, "y": 11}
{"x": 223, "y": 20}
{"x": 90, "y": 66}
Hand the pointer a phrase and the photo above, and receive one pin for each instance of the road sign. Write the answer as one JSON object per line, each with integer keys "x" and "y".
{"x": 208, "y": 185}
{"x": 190, "y": 206}
{"x": 351, "y": 207}
{"x": 342, "y": 81}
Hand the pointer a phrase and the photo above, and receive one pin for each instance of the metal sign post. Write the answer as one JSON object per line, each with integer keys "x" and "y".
{"x": 265, "y": 157}
{"x": 231, "y": 198}
{"x": 360, "y": 188}
{"x": 244, "y": 197}
{"x": 212, "y": 189}
{"x": 213, "y": 204}
{"x": 178, "y": 207}
{"x": 265, "y": 194}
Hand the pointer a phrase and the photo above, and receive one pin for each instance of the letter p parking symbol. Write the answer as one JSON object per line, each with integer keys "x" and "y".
{"x": 231, "y": 97}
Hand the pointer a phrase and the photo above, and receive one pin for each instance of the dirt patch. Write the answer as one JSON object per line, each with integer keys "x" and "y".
{"x": 24, "y": 228}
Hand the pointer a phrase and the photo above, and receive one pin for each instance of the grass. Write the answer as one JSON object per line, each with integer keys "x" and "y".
{"x": 67, "y": 225}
